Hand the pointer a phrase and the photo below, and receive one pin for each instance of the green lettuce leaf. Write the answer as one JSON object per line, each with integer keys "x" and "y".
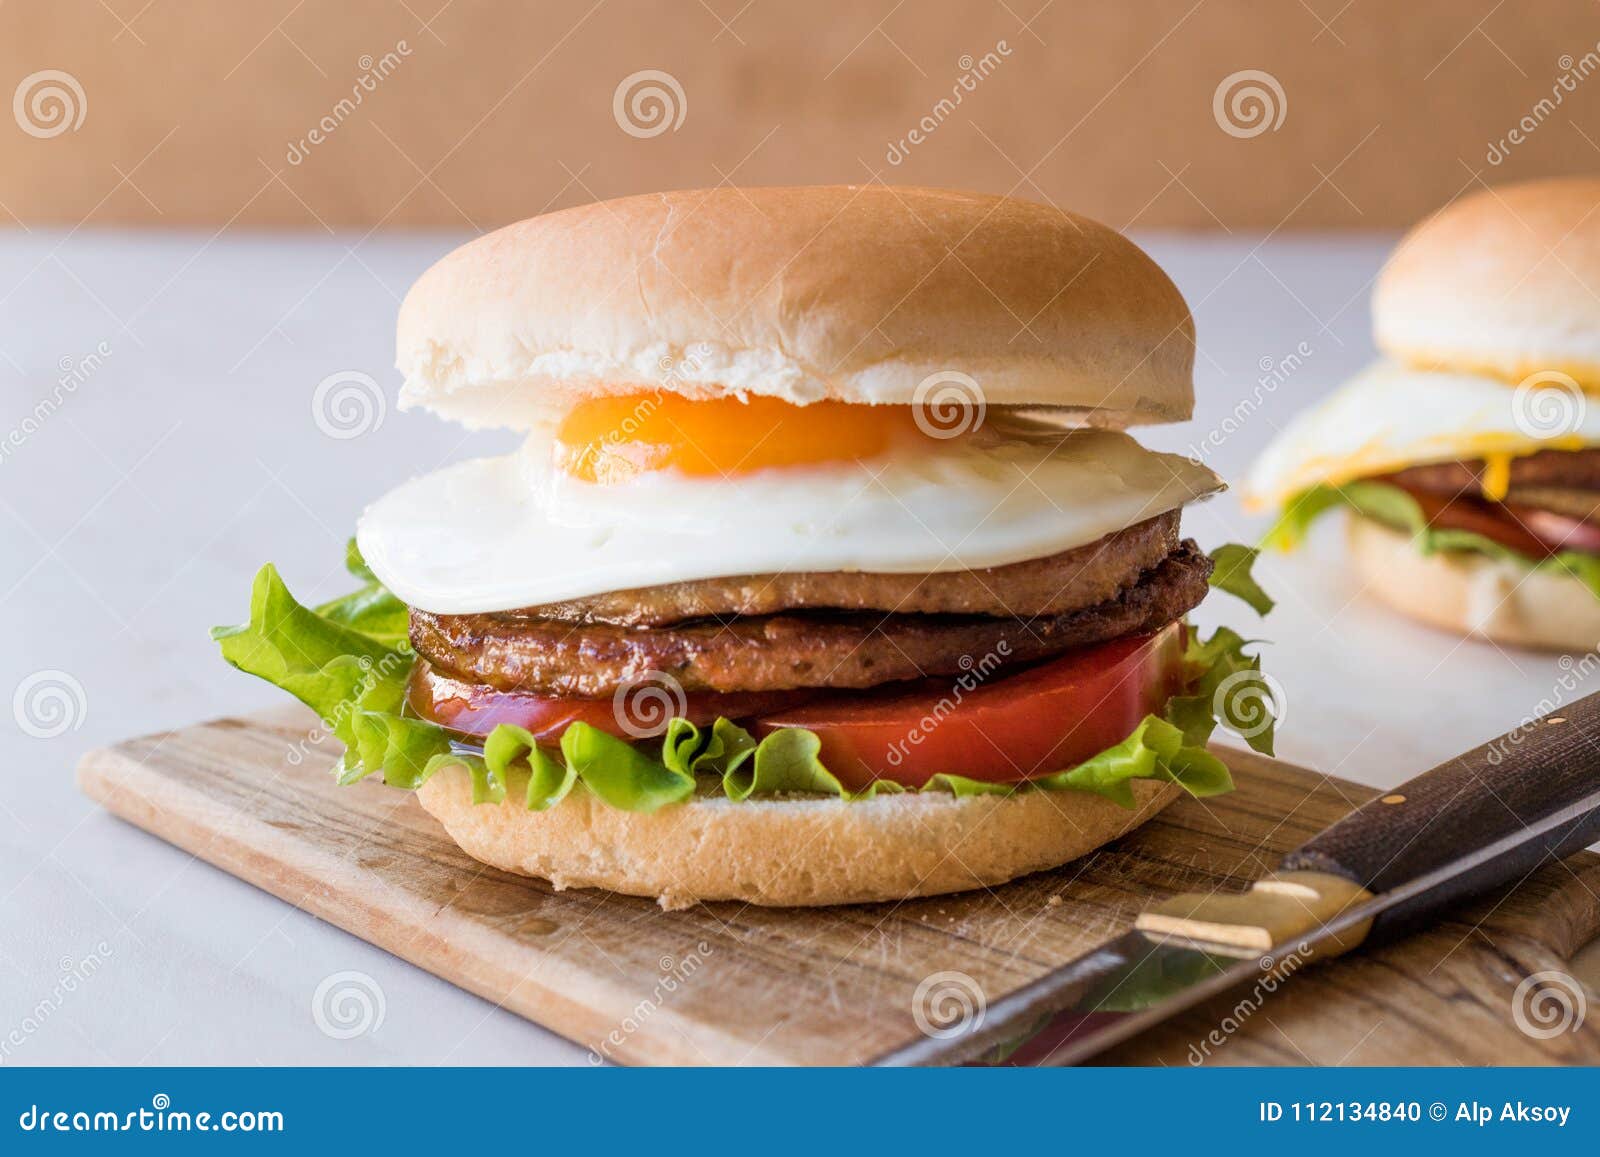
{"x": 1583, "y": 567}
{"x": 1294, "y": 522}
{"x": 1157, "y": 749}
{"x": 351, "y": 668}
{"x": 406, "y": 750}
{"x": 620, "y": 773}
{"x": 1231, "y": 573}
{"x": 353, "y": 680}
{"x": 514, "y": 751}
{"x": 327, "y": 664}
{"x": 1395, "y": 508}
{"x": 1226, "y": 685}
{"x": 355, "y": 563}
{"x": 372, "y": 609}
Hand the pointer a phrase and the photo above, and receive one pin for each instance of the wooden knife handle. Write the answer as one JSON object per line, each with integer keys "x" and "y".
{"x": 1487, "y": 796}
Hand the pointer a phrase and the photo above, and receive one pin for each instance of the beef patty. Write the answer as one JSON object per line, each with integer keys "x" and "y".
{"x": 793, "y": 649}
{"x": 1081, "y": 577}
{"x": 1552, "y": 479}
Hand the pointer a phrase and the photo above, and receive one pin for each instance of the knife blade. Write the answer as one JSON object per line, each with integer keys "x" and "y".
{"x": 1484, "y": 819}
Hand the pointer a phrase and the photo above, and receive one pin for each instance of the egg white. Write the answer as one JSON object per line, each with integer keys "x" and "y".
{"x": 495, "y": 534}
{"x": 1391, "y": 416}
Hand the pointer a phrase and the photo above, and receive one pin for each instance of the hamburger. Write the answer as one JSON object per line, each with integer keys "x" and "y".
{"x": 1469, "y": 457}
{"x": 826, "y": 573}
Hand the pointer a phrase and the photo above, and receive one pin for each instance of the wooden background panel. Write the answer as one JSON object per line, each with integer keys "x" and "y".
{"x": 471, "y": 113}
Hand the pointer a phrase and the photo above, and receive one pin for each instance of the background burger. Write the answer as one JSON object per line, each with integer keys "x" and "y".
{"x": 1469, "y": 455}
{"x": 820, "y": 577}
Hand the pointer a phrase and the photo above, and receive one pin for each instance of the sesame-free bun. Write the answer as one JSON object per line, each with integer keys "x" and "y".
{"x": 855, "y": 293}
{"x": 787, "y": 852}
{"x": 1474, "y": 594}
{"x": 1504, "y": 282}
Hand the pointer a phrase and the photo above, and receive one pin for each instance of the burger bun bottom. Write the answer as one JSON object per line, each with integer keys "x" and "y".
{"x": 1475, "y": 594}
{"x": 788, "y": 852}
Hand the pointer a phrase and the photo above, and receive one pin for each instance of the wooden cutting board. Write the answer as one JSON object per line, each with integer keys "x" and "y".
{"x": 730, "y": 984}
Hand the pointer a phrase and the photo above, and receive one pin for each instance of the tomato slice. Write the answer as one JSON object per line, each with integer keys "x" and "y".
{"x": 472, "y": 709}
{"x": 997, "y": 728}
{"x": 983, "y": 724}
{"x": 1525, "y": 529}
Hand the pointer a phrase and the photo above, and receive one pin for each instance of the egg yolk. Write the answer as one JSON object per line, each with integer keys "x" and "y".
{"x": 609, "y": 440}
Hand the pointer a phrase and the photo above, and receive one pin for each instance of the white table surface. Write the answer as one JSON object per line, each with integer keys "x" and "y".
{"x": 134, "y": 516}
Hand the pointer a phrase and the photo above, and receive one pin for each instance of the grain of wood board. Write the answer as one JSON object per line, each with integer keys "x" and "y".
{"x": 730, "y": 984}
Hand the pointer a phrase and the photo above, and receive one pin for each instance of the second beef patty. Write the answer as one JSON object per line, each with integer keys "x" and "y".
{"x": 792, "y": 649}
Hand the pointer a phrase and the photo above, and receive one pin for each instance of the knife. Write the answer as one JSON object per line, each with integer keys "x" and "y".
{"x": 1482, "y": 820}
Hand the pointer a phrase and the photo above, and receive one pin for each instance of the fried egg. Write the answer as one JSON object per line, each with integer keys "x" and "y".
{"x": 1392, "y": 416}
{"x": 612, "y": 501}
